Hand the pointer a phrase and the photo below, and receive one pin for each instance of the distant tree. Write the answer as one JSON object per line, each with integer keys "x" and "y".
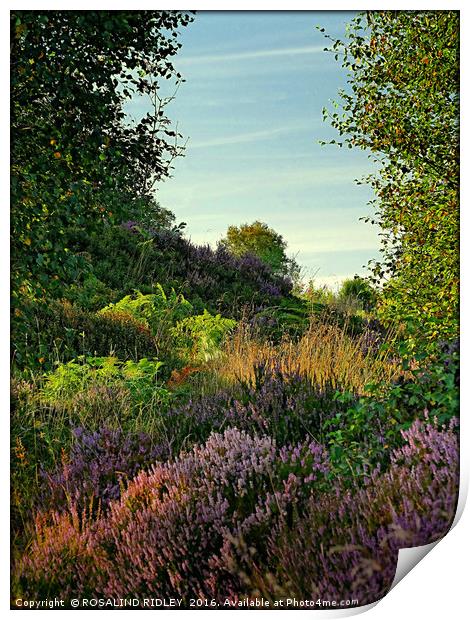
{"x": 360, "y": 289}
{"x": 265, "y": 243}
{"x": 76, "y": 158}
{"x": 402, "y": 104}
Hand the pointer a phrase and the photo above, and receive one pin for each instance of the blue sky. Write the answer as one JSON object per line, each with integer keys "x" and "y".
{"x": 251, "y": 106}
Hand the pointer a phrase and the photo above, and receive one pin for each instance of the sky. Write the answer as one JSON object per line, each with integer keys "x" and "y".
{"x": 251, "y": 109}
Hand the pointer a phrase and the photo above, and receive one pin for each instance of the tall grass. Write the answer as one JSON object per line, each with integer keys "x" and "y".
{"x": 325, "y": 353}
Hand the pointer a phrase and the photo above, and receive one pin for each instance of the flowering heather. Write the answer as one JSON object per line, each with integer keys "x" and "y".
{"x": 286, "y": 407}
{"x": 99, "y": 465}
{"x": 240, "y": 516}
{"x": 346, "y": 544}
{"x": 166, "y": 534}
{"x": 208, "y": 267}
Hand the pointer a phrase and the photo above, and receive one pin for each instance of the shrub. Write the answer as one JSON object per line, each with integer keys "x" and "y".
{"x": 199, "y": 337}
{"x": 59, "y": 331}
{"x": 91, "y": 294}
{"x": 166, "y": 533}
{"x": 239, "y": 516}
{"x": 157, "y": 312}
{"x": 369, "y": 427}
{"x": 99, "y": 466}
{"x": 345, "y": 545}
{"x": 286, "y": 407}
{"x": 290, "y": 317}
{"x": 42, "y": 429}
{"x": 358, "y": 289}
{"x": 212, "y": 279}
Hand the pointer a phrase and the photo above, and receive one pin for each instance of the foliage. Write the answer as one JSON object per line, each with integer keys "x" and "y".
{"x": 403, "y": 106}
{"x": 89, "y": 294}
{"x": 288, "y": 443}
{"x": 182, "y": 513}
{"x": 265, "y": 243}
{"x": 76, "y": 159}
{"x": 353, "y": 305}
{"x": 286, "y": 407}
{"x": 57, "y": 331}
{"x": 153, "y": 310}
{"x": 291, "y": 316}
{"x": 238, "y": 509}
{"x": 151, "y": 216}
{"x": 158, "y": 312}
{"x": 359, "y": 289}
{"x": 200, "y": 337}
{"x": 70, "y": 379}
{"x": 362, "y": 435}
{"x": 127, "y": 258}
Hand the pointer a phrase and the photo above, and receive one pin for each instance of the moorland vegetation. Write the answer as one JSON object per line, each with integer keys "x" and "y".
{"x": 193, "y": 421}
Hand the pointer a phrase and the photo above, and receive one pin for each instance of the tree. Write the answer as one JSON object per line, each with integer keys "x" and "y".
{"x": 403, "y": 106}
{"x": 265, "y": 243}
{"x": 360, "y": 289}
{"x": 76, "y": 158}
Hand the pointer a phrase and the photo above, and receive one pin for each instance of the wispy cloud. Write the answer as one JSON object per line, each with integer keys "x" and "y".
{"x": 251, "y": 55}
{"x": 257, "y": 183}
{"x": 338, "y": 241}
{"x": 252, "y": 136}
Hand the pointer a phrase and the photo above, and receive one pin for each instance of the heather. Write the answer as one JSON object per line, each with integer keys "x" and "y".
{"x": 195, "y": 420}
{"x": 96, "y": 469}
{"x": 127, "y": 258}
{"x": 286, "y": 407}
{"x": 362, "y": 530}
{"x": 239, "y": 516}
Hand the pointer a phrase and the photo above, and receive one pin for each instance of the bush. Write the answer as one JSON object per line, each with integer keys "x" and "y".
{"x": 212, "y": 279}
{"x": 359, "y": 290}
{"x": 239, "y": 516}
{"x": 91, "y": 294}
{"x": 345, "y": 544}
{"x": 199, "y": 337}
{"x": 363, "y": 434}
{"x": 69, "y": 380}
{"x": 286, "y": 407}
{"x": 167, "y": 534}
{"x": 59, "y": 331}
{"x": 291, "y": 317}
{"x": 157, "y": 312}
{"x": 98, "y": 468}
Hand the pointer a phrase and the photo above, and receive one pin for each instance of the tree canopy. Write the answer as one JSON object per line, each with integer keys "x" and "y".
{"x": 77, "y": 158}
{"x": 402, "y": 104}
{"x": 264, "y": 242}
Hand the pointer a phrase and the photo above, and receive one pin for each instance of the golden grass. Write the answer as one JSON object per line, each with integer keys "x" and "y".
{"x": 326, "y": 354}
